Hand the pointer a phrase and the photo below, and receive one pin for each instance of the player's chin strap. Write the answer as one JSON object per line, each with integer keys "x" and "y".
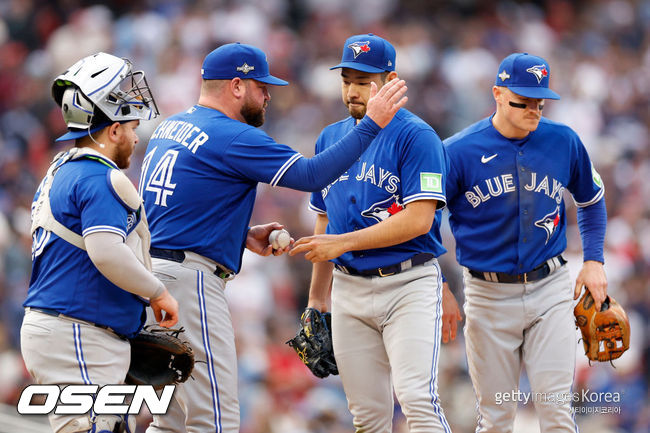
{"x": 138, "y": 240}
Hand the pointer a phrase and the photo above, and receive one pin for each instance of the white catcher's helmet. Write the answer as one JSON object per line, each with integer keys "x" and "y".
{"x": 108, "y": 83}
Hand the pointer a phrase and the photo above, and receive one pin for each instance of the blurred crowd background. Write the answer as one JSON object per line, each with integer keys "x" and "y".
{"x": 599, "y": 53}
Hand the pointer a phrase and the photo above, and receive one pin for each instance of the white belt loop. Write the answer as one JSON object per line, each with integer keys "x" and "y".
{"x": 343, "y": 269}
{"x": 491, "y": 276}
{"x": 406, "y": 264}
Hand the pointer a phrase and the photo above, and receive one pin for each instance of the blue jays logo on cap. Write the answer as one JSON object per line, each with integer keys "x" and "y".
{"x": 238, "y": 60}
{"x": 359, "y": 47}
{"x": 367, "y": 53}
{"x": 539, "y": 71}
{"x": 526, "y": 75}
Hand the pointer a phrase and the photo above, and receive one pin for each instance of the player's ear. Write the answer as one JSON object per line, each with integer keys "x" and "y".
{"x": 390, "y": 76}
{"x": 237, "y": 87}
{"x": 497, "y": 93}
{"x": 114, "y": 131}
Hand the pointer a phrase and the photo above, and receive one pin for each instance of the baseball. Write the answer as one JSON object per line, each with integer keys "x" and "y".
{"x": 279, "y": 239}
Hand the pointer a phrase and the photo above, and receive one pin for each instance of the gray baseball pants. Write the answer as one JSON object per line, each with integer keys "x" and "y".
{"x": 510, "y": 326}
{"x": 208, "y": 401}
{"x": 385, "y": 327}
{"x": 61, "y": 350}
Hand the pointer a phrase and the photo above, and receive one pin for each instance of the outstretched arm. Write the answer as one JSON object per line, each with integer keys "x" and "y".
{"x": 414, "y": 220}
{"x": 315, "y": 173}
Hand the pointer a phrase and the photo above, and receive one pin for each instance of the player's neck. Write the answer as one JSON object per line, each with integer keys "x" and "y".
{"x": 98, "y": 145}
{"x": 219, "y": 105}
{"x": 506, "y": 128}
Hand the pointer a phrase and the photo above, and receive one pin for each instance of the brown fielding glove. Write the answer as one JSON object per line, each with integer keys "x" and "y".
{"x": 605, "y": 333}
{"x": 159, "y": 358}
{"x": 313, "y": 343}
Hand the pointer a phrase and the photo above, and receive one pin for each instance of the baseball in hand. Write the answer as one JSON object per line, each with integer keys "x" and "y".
{"x": 279, "y": 239}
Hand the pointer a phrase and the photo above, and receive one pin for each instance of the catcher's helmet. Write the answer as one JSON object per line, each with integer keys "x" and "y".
{"x": 102, "y": 83}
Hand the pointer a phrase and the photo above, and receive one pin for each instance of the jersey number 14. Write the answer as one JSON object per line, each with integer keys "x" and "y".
{"x": 160, "y": 181}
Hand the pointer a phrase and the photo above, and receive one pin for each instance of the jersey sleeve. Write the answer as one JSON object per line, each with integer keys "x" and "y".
{"x": 585, "y": 183}
{"x": 424, "y": 168}
{"x": 316, "y": 201}
{"x": 256, "y": 156}
{"x": 99, "y": 209}
{"x": 452, "y": 181}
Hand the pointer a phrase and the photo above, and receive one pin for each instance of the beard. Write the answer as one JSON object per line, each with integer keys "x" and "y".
{"x": 123, "y": 160}
{"x": 122, "y": 154}
{"x": 357, "y": 112}
{"x": 252, "y": 114}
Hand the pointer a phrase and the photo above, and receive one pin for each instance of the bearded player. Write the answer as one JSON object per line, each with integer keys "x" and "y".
{"x": 376, "y": 241}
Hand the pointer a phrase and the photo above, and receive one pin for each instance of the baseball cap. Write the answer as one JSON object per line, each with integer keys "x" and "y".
{"x": 526, "y": 75}
{"x": 238, "y": 60}
{"x": 367, "y": 53}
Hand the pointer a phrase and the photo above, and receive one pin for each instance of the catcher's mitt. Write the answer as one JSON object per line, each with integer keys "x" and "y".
{"x": 313, "y": 343}
{"x": 605, "y": 333}
{"x": 159, "y": 358}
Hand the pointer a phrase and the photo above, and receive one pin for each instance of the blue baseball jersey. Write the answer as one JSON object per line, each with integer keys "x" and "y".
{"x": 405, "y": 163}
{"x": 63, "y": 276}
{"x": 199, "y": 180}
{"x": 505, "y": 196}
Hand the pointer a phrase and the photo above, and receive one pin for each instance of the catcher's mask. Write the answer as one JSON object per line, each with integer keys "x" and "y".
{"x": 102, "y": 84}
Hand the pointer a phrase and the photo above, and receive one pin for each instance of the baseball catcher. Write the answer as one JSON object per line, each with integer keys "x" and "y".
{"x": 313, "y": 343}
{"x": 159, "y": 358}
{"x": 605, "y": 333}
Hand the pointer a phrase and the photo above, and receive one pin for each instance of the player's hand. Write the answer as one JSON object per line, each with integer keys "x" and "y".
{"x": 319, "y": 248}
{"x": 383, "y": 104}
{"x": 319, "y": 304}
{"x": 167, "y": 304}
{"x": 450, "y": 314}
{"x": 257, "y": 240}
{"x": 592, "y": 276}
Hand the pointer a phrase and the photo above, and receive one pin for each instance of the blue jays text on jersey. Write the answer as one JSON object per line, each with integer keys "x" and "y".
{"x": 63, "y": 276}
{"x": 506, "y": 195}
{"x": 405, "y": 163}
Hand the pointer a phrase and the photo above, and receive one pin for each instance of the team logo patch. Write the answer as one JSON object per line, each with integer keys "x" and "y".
{"x": 504, "y": 75}
{"x": 359, "y": 47}
{"x": 596, "y": 177}
{"x": 130, "y": 222}
{"x": 245, "y": 68}
{"x": 381, "y": 210}
{"x": 539, "y": 71}
{"x": 549, "y": 223}
{"x": 431, "y": 182}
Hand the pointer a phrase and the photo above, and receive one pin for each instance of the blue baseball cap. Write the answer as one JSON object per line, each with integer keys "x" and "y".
{"x": 367, "y": 53}
{"x": 238, "y": 60}
{"x": 526, "y": 75}
{"x": 75, "y": 133}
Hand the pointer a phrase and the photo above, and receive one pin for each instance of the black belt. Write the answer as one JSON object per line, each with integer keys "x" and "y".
{"x": 387, "y": 271}
{"x": 541, "y": 271}
{"x": 54, "y": 313}
{"x": 179, "y": 257}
